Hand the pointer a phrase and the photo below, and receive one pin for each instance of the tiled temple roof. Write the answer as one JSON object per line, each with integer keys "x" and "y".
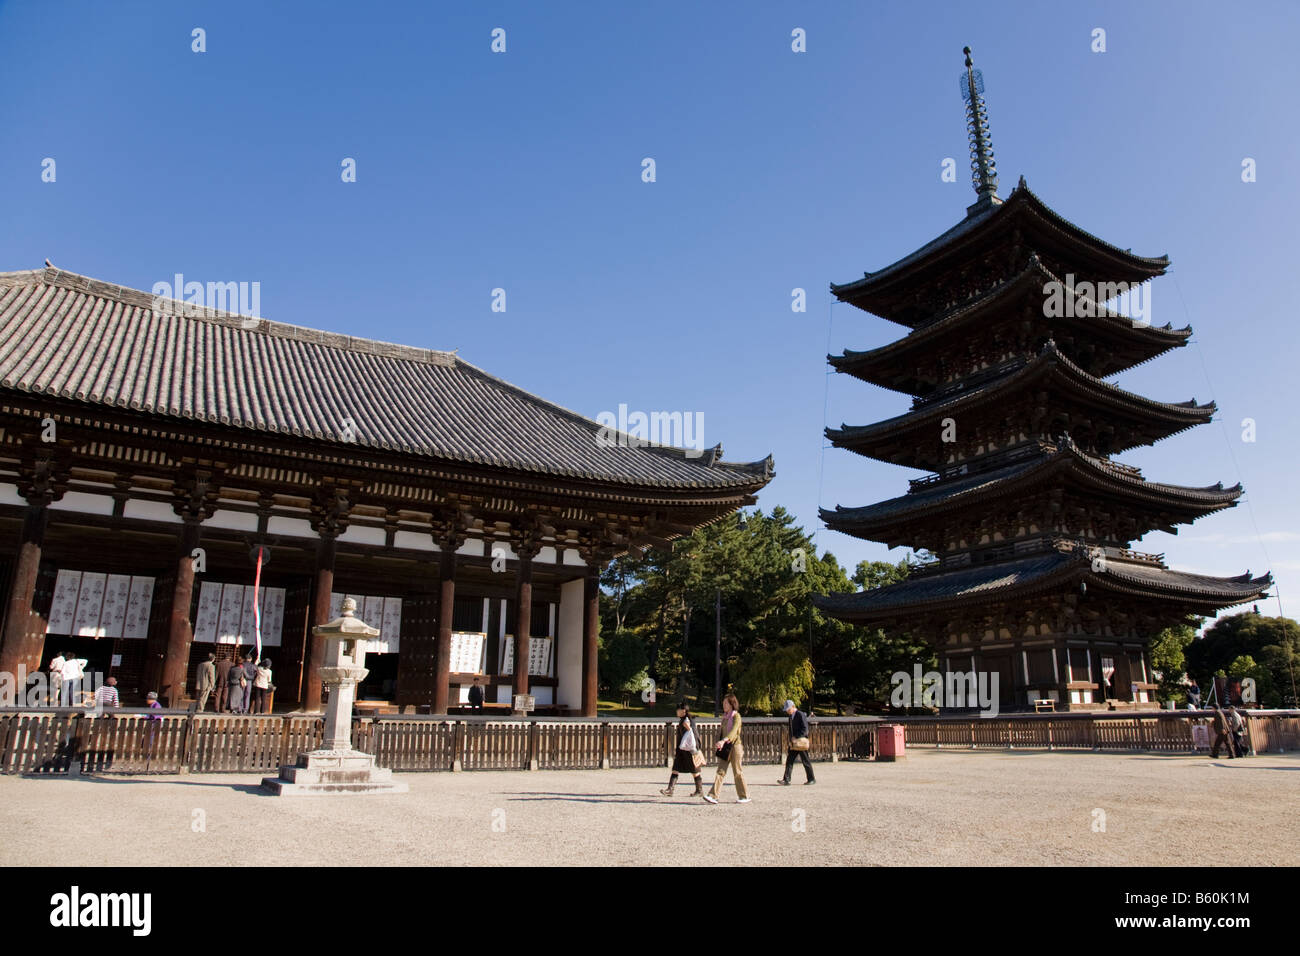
{"x": 1011, "y": 580}
{"x": 69, "y": 337}
{"x": 880, "y": 365}
{"x": 1017, "y": 478}
{"x": 1023, "y": 206}
{"x": 1173, "y": 416}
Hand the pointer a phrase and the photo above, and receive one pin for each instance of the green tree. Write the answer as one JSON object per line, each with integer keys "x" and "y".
{"x": 770, "y": 677}
{"x": 623, "y": 662}
{"x": 1272, "y": 642}
{"x": 1168, "y": 660}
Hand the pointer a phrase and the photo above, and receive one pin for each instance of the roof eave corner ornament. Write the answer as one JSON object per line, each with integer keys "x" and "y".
{"x": 984, "y": 169}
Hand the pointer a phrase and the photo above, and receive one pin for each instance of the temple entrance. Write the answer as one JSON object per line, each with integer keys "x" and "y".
{"x": 381, "y": 682}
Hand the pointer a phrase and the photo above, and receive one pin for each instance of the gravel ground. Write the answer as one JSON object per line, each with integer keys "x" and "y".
{"x": 934, "y": 808}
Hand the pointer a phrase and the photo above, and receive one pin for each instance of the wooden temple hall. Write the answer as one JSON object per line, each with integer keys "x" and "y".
{"x": 149, "y": 452}
{"x": 1027, "y": 512}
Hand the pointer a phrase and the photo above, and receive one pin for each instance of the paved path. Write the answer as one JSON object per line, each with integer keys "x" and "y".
{"x": 935, "y": 808}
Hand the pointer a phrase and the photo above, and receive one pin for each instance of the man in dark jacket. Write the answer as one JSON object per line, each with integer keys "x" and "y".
{"x": 476, "y": 696}
{"x": 798, "y": 746}
{"x": 1222, "y": 736}
{"x": 250, "y": 675}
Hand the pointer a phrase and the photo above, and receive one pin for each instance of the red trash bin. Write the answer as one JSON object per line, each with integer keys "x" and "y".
{"x": 890, "y": 742}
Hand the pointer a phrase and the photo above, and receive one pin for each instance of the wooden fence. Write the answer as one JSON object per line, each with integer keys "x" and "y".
{"x": 1148, "y": 732}
{"x": 138, "y": 741}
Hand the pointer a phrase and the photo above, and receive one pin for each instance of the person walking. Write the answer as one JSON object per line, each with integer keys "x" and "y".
{"x": 207, "y": 681}
{"x": 1237, "y": 725}
{"x": 56, "y": 678}
{"x": 1221, "y": 736}
{"x": 798, "y": 745}
{"x": 687, "y": 758}
{"x": 262, "y": 687}
{"x": 731, "y": 752}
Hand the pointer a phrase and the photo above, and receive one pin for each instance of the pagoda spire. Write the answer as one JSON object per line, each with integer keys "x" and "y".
{"x": 984, "y": 170}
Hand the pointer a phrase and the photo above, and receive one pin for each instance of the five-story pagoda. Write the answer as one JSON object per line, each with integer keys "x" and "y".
{"x": 1028, "y": 515}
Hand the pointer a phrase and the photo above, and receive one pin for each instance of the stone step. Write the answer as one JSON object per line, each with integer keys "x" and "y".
{"x": 286, "y": 788}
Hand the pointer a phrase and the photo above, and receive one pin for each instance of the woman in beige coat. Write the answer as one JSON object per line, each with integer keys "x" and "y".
{"x": 734, "y": 755}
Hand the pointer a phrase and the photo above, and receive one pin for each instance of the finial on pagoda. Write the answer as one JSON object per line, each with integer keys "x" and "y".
{"x": 983, "y": 168}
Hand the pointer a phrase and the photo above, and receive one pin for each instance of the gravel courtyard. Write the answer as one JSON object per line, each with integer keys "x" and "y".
{"x": 934, "y": 808}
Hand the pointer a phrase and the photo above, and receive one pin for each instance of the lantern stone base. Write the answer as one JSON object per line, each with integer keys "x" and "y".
{"x": 333, "y": 771}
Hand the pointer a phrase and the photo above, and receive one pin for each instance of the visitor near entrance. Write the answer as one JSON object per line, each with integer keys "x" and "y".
{"x": 106, "y": 695}
{"x": 731, "y": 752}
{"x": 56, "y": 677}
{"x": 235, "y": 686}
{"x": 476, "y": 696}
{"x": 206, "y": 681}
{"x": 687, "y": 758}
{"x": 74, "y": 669}
{"x": 798, "y": 746}
{"x": 262, "y": 687}
{"x": 248, "y": 683}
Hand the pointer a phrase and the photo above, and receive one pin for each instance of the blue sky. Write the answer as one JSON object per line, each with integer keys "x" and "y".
{"x": 775, "y": 170}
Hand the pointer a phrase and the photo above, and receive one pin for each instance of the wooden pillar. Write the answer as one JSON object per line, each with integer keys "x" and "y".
{"x": 442, "y": 647}
{"x": 590, "y": 633}
{"x": 40, "y": 483}
{"x": 329, "y": 519}
{"x": 523, "y": 616}
{"x": 23, "y": 643}
{"x": 326, "y": 550}
{"x": 179, "y": 632}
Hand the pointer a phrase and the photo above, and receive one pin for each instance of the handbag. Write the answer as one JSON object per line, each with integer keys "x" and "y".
{"x": 724, "y": 752}
{"x": 697, "y": 759}
{"x": 799, "y": 743}
{"x": 688, "y": 742}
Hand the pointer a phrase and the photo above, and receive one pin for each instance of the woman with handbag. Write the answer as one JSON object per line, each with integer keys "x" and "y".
{"x": 731, "y": 752}
{"x": 687, "y": 758}
{"x": 262, "y": 687}
{"x": 798, "y": 748}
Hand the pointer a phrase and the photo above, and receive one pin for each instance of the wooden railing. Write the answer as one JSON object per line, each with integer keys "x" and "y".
{"x": 138, "y": 741}
{"x": 1149, "y": 731}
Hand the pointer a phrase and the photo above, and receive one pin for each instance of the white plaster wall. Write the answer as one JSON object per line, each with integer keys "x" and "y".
{"x": 472, "y": 548}
{"x": 84, "y": 503}
{"x": 235, "y": 520}
{"x": 571, "y": 557}
{"x": 568, "y": 646}
{"x": 151, "y": 511}
{"x": 290, "y": 527}
{"x": 414, "y": 540}
{"x": 360, "y": 534}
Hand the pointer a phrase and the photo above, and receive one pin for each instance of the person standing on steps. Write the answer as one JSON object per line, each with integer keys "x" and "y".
{"x": 687, "y": 758}
{"x": 798, "y": 745}
{"x": 731, "y": 753}
{"x": 206, "y": 682}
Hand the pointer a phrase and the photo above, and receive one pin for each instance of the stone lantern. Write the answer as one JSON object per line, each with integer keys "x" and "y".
{"x": 337, "y": 767}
